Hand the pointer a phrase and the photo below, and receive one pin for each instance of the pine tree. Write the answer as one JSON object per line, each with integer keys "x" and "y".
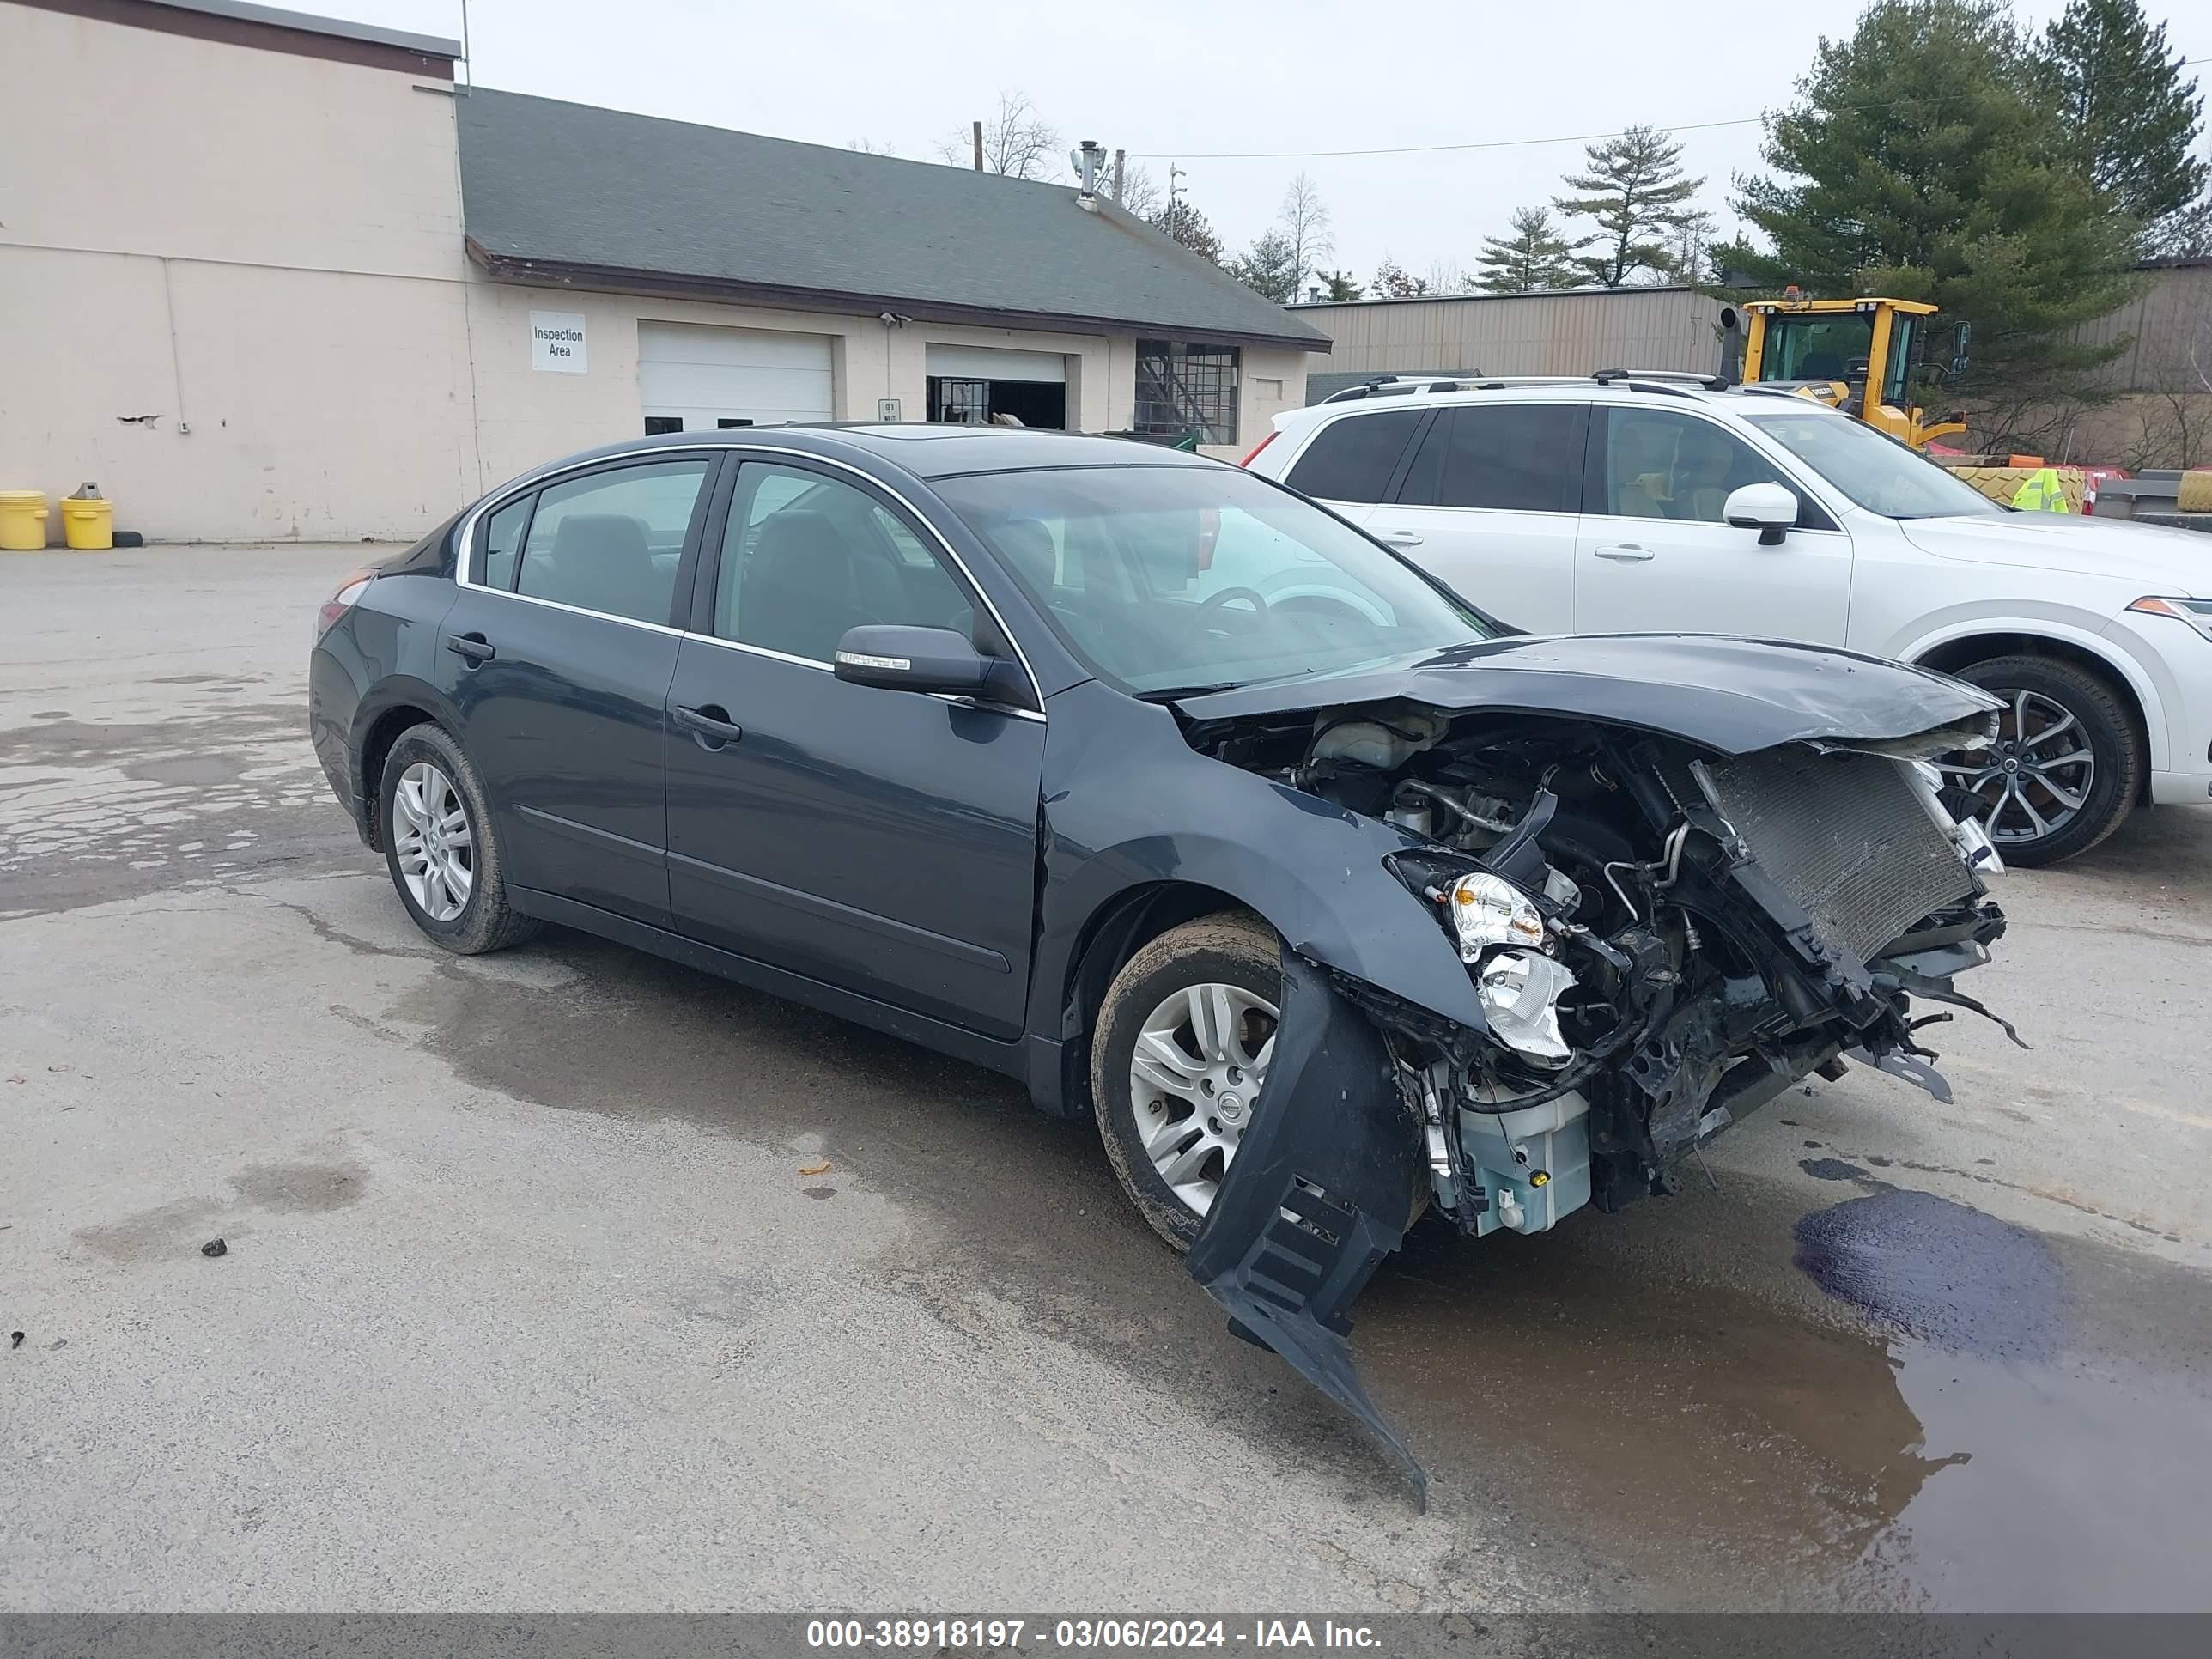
{"x": 2132, "y": 119}
{"x": 1922, "y": 161}
{"x": 1186, "y": 224}
{"x": 1532, "y": 258}
{"x": 1269, "y": 266}
{"x": 1394, "y": 282}
{"x": 1341, "y": 285}
{"x": 1633, "y": 188}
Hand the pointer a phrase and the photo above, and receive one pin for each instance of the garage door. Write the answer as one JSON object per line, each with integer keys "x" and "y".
{"x": 691, "y": 378}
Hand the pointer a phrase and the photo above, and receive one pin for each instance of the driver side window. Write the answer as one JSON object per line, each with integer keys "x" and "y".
{"x": 807, "y": 556}
{"x": 1657, "y": 464}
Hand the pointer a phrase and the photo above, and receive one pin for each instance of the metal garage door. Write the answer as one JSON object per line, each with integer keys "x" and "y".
{"x": 693, "y": 378}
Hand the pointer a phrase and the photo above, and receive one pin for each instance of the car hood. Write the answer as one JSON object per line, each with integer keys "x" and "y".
{"x": 1729, "y": 695}
{"x": 2153, "y": 558}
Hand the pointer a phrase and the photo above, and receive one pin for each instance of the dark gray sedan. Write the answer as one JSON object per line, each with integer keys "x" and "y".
{"x": 1149, "y": 782}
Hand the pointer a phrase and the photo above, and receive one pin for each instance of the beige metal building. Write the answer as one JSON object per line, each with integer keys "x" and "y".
{"x": 268, "y": 276}
{"x": 1570, "y": 333}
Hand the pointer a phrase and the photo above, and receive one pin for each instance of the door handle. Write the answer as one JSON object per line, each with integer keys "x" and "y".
{"x": 1402, "y": 538}
{"x": 710, "y": 724}
{"x": 474, "y": 646}
{"x": 1626, "y": 553}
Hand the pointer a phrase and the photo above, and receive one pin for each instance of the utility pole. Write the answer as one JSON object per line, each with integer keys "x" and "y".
{"x": 1176, "y": 175}
{"x": 979, "y": 146}
{"x": 1120, "y": 156}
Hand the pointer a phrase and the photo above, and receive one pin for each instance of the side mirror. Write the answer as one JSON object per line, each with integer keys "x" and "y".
{"x": 1766, "y": 508}
{"x": 898, "y": 657}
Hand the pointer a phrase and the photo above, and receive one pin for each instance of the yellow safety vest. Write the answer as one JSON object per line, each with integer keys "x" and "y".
{"x": 2042, "y": 493}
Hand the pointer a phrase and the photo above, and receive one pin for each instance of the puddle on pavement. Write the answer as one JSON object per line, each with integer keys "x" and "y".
{"x": 1936, "y": 1410}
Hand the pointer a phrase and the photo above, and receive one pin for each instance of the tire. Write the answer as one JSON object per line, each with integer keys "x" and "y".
{"x": 2105, "y": 751}
{"x": 1235, "y": 957}
{"x": 484, "y": 920}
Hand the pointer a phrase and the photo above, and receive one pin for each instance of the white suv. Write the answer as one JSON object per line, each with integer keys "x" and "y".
{"x": 1642, "y": 503}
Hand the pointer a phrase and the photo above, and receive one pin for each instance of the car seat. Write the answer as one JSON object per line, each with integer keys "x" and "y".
{"x": 802, "y": 588}
{"x": 602, "y": 562}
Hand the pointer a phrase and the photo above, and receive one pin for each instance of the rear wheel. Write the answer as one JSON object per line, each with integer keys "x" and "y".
{"x": 2067, "y": 764}
{"x": 1181, "y": 1046}
{"x": 441, "y": 846}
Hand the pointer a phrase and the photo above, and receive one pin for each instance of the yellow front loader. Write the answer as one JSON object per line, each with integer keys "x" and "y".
{"x": 1857, "y": 355}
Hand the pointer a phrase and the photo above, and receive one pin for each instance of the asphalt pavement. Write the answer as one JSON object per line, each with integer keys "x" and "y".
{"x": 535, "y": 1294}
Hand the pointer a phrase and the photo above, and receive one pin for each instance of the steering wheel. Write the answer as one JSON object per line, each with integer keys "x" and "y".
{"x": 1211, "y": 612}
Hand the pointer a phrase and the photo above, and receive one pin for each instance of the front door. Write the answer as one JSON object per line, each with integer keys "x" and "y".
{"x": 1655, "y": 555}
{"x": 1487, "y": 506}
{"x": 881, "y": 840}
{"x": 558, "y": 654}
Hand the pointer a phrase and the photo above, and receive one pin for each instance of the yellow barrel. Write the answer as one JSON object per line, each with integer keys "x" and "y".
{"x": 23, "y": 520}
{"x": 87, "y": 526}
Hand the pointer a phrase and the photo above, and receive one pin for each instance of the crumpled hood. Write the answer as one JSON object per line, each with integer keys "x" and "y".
{"x": 2153, "y": 558}
{"x": 1730, "y": 694}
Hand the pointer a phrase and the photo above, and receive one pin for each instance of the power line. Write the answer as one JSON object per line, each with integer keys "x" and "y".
{"x": 1487, "y": 143}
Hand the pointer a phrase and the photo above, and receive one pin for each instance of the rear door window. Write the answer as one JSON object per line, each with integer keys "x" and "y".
{"x": 611, "y": 540}
{"x": 1353, "y": 458}
{"x": 1515, "y": 458}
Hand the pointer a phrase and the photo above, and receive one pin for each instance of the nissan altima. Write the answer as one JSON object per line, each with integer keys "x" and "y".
{"x": 1140, "y": 779}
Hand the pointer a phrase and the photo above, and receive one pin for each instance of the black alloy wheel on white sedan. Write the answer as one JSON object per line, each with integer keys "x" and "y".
{"x": 2067, "y": 764}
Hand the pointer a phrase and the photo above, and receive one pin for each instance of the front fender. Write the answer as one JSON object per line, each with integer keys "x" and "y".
{"x": 2081, "y": 630}
{"x": 1128, "y": 804}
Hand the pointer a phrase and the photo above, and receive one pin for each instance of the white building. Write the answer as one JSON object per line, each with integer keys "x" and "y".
{"x": 267, "y": 275}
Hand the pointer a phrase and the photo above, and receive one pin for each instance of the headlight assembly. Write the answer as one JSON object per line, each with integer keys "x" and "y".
{"x": 2197, "y": 613}
{"x": 1488, "y": 910}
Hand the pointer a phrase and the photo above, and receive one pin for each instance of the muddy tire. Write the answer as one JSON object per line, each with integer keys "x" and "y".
{"x": 1199, "y": 1000}
{"x": 441, "y": 848}
{"x": 2067, "y": 736}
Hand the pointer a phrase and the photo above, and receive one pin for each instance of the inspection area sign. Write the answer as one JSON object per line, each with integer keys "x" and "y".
{"x": 557, "y": 342}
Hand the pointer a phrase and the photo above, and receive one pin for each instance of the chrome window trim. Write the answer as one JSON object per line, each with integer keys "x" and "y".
{"x": 465, "y": 562}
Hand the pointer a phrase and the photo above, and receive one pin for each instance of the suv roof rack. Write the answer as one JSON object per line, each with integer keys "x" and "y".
{"x": 1709, "y": 382}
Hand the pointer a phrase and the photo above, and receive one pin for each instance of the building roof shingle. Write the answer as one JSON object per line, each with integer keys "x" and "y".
{"x": 559, "y": 191}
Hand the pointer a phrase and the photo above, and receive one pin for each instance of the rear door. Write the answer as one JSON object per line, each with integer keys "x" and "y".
{"x": 1654, "y": 552}
{"x": 880, "y": 840}
{"x": 1488, "y": 504}
{"x": 1351, "y": 462}
{"x": 558, "y": 654}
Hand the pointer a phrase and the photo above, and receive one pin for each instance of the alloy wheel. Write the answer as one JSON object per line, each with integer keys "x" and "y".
{"x": 434, "y": 841}
{"x": 2035, "y": 778}
{"x": 1201, "y": 1056}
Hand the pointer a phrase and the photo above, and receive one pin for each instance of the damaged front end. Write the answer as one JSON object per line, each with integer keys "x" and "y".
{"x": 1664, "y": 934}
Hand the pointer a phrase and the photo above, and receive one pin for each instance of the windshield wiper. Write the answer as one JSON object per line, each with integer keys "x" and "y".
{"x": 1178, "y": 693}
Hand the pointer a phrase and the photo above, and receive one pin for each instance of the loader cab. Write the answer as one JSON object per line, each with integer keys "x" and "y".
{"x": 1857, "y": 355}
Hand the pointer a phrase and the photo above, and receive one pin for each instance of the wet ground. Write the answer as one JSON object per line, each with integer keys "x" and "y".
{"x": 535, "y": 1294}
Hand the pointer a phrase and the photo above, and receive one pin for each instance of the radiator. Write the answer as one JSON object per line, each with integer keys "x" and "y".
{"x": 1845, "y": 837}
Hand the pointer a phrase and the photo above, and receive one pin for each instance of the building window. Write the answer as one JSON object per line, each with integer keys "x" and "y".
{"x": 1186, "y": 389}
{"x": 655, "y": 425}
{"x": 966, "y": 401}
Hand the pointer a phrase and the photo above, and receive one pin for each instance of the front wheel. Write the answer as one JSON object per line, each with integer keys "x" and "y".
{"x": 2067, "y": 764}
{"x": 1181, "y": 1046}
{"x": 440, "y": 847}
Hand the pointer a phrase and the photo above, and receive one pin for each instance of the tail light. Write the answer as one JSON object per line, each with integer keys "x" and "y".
{"x": 336, "y": 606}
{"x": 1253, "y": 453}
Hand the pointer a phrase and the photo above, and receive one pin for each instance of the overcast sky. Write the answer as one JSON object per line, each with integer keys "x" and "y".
{"x": 1185, "y": 81}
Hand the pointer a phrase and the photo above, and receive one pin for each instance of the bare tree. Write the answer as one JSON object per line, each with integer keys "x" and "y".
{"x": 1446, "y": 277}
{"x": 870, "y": 146}
{"x": 1141, "y": 192}
{"x": 1304, "y": 221}
{"x": 1018, "y": 141}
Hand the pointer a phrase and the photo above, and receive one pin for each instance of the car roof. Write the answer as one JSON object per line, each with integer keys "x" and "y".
{"x": 920, "y": 449}
{"x": 1581, "y": 389}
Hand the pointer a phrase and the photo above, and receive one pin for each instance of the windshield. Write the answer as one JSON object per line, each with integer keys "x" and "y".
{"x": 1881, "y": 474}
{"x": 1168, "y": 579}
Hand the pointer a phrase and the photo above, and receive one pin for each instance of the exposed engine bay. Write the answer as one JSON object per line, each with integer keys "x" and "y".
{"x": 1663, "y": 937}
